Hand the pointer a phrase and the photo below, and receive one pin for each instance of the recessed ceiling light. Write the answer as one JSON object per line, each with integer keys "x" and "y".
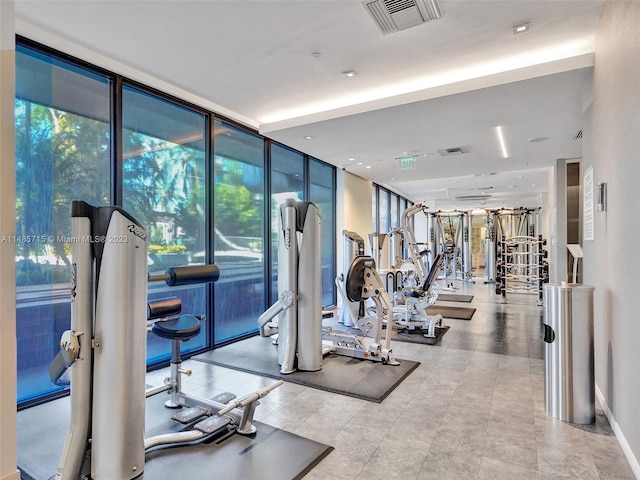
{"x": 519, "y": 176}
{"x": 316, "y": 54}
{"x": 350, "y": 73}
{"x": 351, "y": 159}
{"x": 360, "y": 163}
{"x": 308, "y": 137}
{"x": 392, "y": 178}
{"x": 538, "y": 139}
{"x": 522, "y": 28}
{"x": 368, "y": 166}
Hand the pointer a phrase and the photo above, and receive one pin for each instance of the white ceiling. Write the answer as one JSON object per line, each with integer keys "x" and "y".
{"x": 447, "y": 83}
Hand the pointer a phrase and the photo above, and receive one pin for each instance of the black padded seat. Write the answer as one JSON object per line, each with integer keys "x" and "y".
{"x": 181, "y": 328}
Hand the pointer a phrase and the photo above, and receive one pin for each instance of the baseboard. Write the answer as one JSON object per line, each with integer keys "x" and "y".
{"x": 633, "y": 461}
{"x": 12, "y": 476}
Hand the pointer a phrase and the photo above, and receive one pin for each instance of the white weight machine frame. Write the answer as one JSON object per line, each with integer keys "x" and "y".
{"x": 413, "y": 315}
{"x": 299, "y": 330}
{"x": 105, "y": 352}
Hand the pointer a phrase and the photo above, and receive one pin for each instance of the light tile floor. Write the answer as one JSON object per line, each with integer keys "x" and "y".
{"x": 474, "y": 408}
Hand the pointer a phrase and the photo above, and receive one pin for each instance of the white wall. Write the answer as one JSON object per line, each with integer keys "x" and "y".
{"x": 612, "y": 130}
{"x": 8, "y": 469}
{"x": 353, "y": 211}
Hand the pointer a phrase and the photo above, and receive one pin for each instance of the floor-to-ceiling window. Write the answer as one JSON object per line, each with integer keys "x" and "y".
{"x": 238, "y": 231}
{"x": 197, "y": 183}
{"x": 62, "y": 117}
{"x": 163, "y": 187}
{"x": 322, "y": 194}
{"x": 287, "y": 181}
{"x": 393, "y": 211}
{"x": 384, "y": 219}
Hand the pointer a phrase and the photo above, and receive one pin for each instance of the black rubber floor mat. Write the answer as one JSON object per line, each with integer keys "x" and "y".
{"x": 354, "y": 377}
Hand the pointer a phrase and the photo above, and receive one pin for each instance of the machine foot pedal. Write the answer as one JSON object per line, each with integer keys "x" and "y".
{"x": 212, "y": 424}
{"x": 225, "y": 397}
{"x": 191, "y": 414}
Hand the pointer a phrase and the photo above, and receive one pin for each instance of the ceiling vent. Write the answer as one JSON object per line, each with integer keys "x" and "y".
{"x": 447, "y": 152}
{"x": 472, "y": 198}
{"x": 394, "y": 15}
{"x": 578, "y": 136}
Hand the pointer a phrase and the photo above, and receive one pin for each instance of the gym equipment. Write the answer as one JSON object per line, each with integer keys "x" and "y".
{"x": 416, "y": 255}
{"x": 364, "y": 283}
{"x": 517, "y": 222}
{"x": 353, "y": 247}
{"x": 298, "y": 310}
{"x": 105, "y": 351}
{"x": 413, "y": 315}
{"x": 454, "y": 231}
{"x": 522, "y": 267}
{"x": 299, "y": 304}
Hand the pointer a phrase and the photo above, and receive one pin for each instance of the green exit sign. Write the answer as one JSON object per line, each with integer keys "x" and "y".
{"x": 407, "y": 163}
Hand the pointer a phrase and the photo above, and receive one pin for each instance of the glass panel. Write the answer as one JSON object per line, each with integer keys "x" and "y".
{"x": 393, "y": 207}
{"x": 239, "y": 231}
{"x": 384, "y": 211}
{"x": 62, "y": 154}
{"x": 163, "y": 188}
{"x": 374, "y": 209}
{"x": 321, "y": 194}
{"x": 287, "y": 181}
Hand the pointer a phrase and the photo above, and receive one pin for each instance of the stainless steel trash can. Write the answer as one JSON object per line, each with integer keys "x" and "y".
{"x": 568, "y": 353}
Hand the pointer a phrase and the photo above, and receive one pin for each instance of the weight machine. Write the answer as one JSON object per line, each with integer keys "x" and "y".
{"x": 105, "y": 353}
{"x": 298, "y": 311}
{"x": 414, "y": 316}
{"x": 451, "y": 235}
{"x": 353, "y": 247}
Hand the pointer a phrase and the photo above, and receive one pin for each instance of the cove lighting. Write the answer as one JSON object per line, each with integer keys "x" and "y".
{"x": 423, "y": 84}
{"x": 503, "y": 146}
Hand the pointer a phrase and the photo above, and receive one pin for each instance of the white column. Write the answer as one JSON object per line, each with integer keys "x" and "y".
{"x": 8, "y": 461}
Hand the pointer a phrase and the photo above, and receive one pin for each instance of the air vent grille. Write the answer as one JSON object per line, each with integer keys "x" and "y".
{"x": 578, "y": 136}
{"x": 394, "y": 15}
{"x": 447, "y": 152}
{"x": 472, "y": 198}
{"x": 394, "y": 6}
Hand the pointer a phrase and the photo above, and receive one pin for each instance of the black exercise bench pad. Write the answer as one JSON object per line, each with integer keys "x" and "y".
{"x": 354, "y": 377}
{"x": 269, "y": 454}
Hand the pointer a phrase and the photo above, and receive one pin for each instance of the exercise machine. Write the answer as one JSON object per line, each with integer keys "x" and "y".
{"x": 353, "y": 247}
{"x": 413, "y": 315}
{"x": 105, "y": 353}
{"x": 299, "y": 306}
{"x": 296, "y": 317}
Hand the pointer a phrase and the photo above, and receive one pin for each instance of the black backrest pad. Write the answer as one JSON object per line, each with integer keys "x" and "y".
{"x": 433, "y": 273}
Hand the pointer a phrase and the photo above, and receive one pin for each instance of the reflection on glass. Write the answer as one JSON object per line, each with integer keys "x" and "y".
{"x": 163, "y": 188}
{"x": 393, "y": 209}
{"x": 322, "y": 186}
{"x": 287, "y": 181}
{"x": 62, "y": 154}
{"x": 238, "y": 231}
{"x": 384, "y": 218}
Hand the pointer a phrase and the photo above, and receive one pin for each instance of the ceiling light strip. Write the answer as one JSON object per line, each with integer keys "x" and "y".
{"x": 503, "y": 146}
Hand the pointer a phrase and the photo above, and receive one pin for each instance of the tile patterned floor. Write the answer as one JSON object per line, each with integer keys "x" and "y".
{"x": 474, "y": 408}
